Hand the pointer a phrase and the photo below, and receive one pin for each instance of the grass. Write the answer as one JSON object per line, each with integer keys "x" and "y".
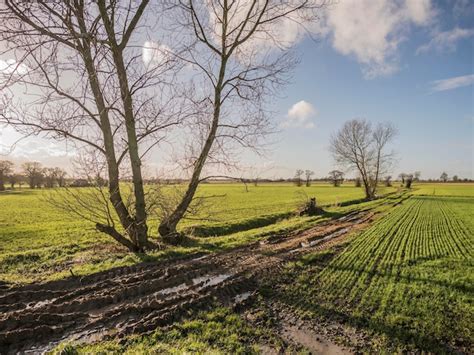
{"x": 407, "y": 281}
{"x": 445, "y": 189}
{"x": 39, "y": 242}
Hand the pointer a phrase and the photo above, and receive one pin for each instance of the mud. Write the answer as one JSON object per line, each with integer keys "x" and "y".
{"x": 140, "y": 298}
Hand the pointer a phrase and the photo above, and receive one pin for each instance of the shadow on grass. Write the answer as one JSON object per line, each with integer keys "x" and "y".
{"x": 371, "y": 273}
{"x": 261, "y": 221}
{"x": 239, "y": 226}
{"x": 25, "y": 192}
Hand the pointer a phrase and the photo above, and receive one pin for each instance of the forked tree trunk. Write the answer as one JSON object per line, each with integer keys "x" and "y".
{"x": 137, "y": 234}
{"x": 167, "y": 227}
{"x": 139, "y": 225}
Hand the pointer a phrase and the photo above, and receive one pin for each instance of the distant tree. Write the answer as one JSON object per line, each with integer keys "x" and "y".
{"x": 33, "y": 172}
{"x": 444, "y": 177}
{"x": 80, "y": 183}
{"x": 361, "y": 147}
{"x": 100, "y": 181}
{"x": 417, "y": 176}
{"x": 255, "y": 181}
{"x": 336, "y": 177}
{"x": 6, "y": 168}
{"x": 357, "y": 182}
{"x": 455, "y": 178}
{"x": 50, "y": 177}
{"x": 408, "y": 180}
{"x": 388, "y": 180}
{"x": 60, "y": 177}
{"x": 402, "y": 177}
{"x": 308, "y": 174}
{"x": 298, "y": 177}
{"x": 14, "y": 179}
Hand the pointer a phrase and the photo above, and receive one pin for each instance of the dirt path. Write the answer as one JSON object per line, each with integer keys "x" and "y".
{"x": 139, "y": 298}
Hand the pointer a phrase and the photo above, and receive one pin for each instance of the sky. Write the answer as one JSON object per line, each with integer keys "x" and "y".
{"x": 409, "y": 62}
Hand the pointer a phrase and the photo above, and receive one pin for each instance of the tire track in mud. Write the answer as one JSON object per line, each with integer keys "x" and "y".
{"x": 139, "y": 298}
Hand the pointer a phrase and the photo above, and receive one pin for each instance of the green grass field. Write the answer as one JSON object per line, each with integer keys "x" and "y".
{"x": 40, "y": 242}
{"x": 408, "y": 279}
{"x": 405, "y": 284}
{"x": 445, "y": 189}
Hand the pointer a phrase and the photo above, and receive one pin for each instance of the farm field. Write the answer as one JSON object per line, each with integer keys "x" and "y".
{"x": 40, "y": 242}
{"x": 402, "y": 284}
{"x": 445, "y": 189}
{"x": 407, "y": 281}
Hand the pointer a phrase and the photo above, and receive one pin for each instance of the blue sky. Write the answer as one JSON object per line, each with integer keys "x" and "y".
{"x": 435, "y": 127}
{"x": 409, "y": 62}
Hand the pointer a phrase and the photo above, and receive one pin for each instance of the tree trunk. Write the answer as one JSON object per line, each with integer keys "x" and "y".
{"x": 168, "y": 225}
{"x": 115, "y": 197}
{"x": 139, "y": 225}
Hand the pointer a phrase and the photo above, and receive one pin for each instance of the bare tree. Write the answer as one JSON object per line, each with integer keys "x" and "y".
{"x": 33, "y": 171}
{"x": 359, "y": 146}
{"x": 308, "y": 175}
{"x": 81, "y": 64}
{"x": 60, "y": 176}
{"x": 336, "y": 177}
{"x": 416, "y": 176}
{"x": 237, "y": 72}
{"x": 444, "y": 176}
{"x": 409, "y": 180}
{"x": 6, "y": 168}
{"x": 14, "y": 179}
{"x": 388, "y": 180}
{"x": 298, "y": 179}
{"x": 49, "y": 177}
{"x": 402, "y": 177}
{"x": 357, "y": 182}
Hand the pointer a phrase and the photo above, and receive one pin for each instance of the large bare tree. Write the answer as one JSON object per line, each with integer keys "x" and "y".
{"x": 76, "y": 73}
{"x": 363, "y": 148}
{"x": 239, "y": 58}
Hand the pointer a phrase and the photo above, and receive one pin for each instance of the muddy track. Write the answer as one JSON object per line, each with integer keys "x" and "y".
{"x": 139, "y": 298}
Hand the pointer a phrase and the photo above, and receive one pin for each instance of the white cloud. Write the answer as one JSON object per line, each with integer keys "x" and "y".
{"x": 446, "y": 41}
{"x": 420, "y": 11}
{"x": 299, "y": 115}
{"x": 154, "y": 53}
{"x": 369, "y": 30}
{"x": 373, "y": 30}
{"x": 452, "y": 83}
{"x": 11, "y": 66}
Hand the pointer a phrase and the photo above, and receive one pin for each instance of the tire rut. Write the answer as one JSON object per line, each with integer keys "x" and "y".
{"x": 137, "y": 299}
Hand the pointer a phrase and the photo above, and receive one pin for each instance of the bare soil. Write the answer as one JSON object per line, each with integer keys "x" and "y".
{"x": 140, "y": 298}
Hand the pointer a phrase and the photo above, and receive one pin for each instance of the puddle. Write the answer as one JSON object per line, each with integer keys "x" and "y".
{"x": 242, "y": 297}
{"x": 209, "y": 280}
{"x": 40, "y": 304}
{"x": 203, "y": 281}
{"x": 174, "y": 289}
{"x": 329, "y": 236}
{"x": 200, "y": 257}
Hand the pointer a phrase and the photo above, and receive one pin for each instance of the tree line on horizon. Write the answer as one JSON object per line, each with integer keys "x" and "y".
{"x": 34, "y": 174}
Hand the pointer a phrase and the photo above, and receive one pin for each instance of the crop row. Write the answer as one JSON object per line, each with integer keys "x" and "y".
{"x": 411, "y": 273}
